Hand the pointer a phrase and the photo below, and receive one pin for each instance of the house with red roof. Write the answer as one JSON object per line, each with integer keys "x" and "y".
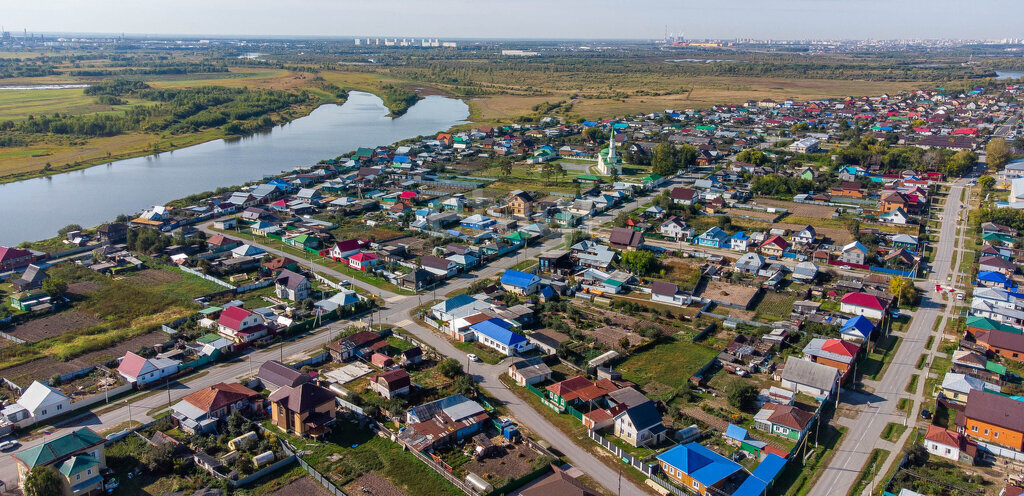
{"x": 240, "y": 325}
{"x": 141, "y": 371}
{"x": 363, "y": 261}
{"x": 391, "y": 383}
{"x": 14, "y": 258}
{"x": 344, "y": 249}
{"x": 950, "y": 445}
{"x": 856, "y": 303}
{"x": 199, "y": 411}
{"x": 835, "y": 353}
{"x": 774, "y": 247}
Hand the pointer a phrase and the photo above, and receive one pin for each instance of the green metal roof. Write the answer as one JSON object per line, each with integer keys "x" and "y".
{"x": 77, "y": 464}
{"x": 989, "y": 325}
{"x": 60, "y": 447}
{"x": 209, "y": 310}
{"x": 208, "y": 338}
{"x": 995, "y": 367}
{"x": 588, "y": 177}
{"x": 613, "y": 282}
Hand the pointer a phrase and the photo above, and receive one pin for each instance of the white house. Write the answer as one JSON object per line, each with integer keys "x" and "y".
{"x": 41, "y": 402}
{"x": 675, "y": 228}
{"x": 666, "y": 292}
{"x": 854, "y": 252}
{"x": 897, "y": 216}
{"x": 949, "y": 444}
{"x": 806, "y": 236}
{"x": 141, "y": 371}
{"x": 862, "y": 304}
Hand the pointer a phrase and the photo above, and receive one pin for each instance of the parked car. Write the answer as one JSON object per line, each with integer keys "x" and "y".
{"x": 473, "y": 357}
{"x": 8, "y": 445}
{"x": 926, "y": 414}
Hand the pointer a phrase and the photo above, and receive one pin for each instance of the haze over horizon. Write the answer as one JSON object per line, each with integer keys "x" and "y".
{"x": 537, "y": 19}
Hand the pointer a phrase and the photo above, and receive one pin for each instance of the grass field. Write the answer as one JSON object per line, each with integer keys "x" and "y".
{"x": 669, "y": 364}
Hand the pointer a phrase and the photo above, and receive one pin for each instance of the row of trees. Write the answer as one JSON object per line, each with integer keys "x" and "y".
{"x": 666, "y": 158}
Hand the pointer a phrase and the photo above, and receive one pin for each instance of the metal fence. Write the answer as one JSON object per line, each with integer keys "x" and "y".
{"x": 647, "y": 470}
{"x": 204, "y": 276}
{"x": 328, "y": 485}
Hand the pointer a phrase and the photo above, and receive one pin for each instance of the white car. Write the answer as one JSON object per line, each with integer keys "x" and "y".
{"x": 8, "y": 445}
{"x": 473, "y": 357}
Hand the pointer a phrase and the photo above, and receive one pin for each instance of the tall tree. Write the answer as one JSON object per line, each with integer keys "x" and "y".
{"x": 997, "y": 153}
{"x": 44, "y": 480}
{"x": 663, "y": 159}
{"x": 903, "y": 288}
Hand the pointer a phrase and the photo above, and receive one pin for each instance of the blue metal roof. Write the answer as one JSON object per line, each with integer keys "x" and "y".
{"x": 735, "y": 432}
{"x": 759, "y": 479}
{"x": 497, "y": 329}
{"x": 518, "y": 279}
{"x": 456, "y": 302}
{"x": 858, "y": 325}
{"x": 700, "y": 463}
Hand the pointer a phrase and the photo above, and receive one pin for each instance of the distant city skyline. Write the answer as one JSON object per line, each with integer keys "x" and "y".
{"x": 531, "y": 19}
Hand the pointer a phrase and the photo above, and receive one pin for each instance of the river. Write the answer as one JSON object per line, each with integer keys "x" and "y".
{"x": 1008, "y": 75}
{"x": 35, "y": 209}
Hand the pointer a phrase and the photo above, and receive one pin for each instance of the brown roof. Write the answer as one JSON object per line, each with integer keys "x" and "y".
{"x": 278, "y": 263}
{"x": 219, "y": 396}
{"x": 279, "y": 374}
{"x": 626, "y": 237}
{"x": 303, "y": 398}
{"x": 559, "y": 483}
{"x": 1002, "y": 340}
{"x": 994, "y": 409}
{"x": 394, "y": 379}
{"x": 791, "y": 416}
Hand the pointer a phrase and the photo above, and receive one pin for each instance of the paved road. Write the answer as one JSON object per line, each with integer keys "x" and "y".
{"x": 397, "y": 311}
{"x": 879, "y": 408}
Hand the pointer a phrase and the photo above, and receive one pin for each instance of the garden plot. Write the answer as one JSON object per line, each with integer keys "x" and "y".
{"x": 53, "y": 325}
{"x": 798, "y": 209}
{"x": 735, "y": 295}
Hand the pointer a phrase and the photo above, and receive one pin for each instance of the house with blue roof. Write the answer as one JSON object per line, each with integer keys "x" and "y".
{"x": 713, "y": 238}
{"x": 993, "y": 279}
{"x": 521, "y": 283}
{"x": 857, "y": 329}
{"x": 496, "y": 333}
{"x": 697, "y": 468}
{"x": 762, "y": 477}
{"x": 739, "y": 241}
{"x": 477, "y": 221}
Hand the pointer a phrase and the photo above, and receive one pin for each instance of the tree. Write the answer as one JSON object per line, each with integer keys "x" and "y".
{"x": 464, "y": 385}
{"x": 557, "y": 170}
{"x": 986, "y": 183}
{"x": 742, "y": 395}
{"x": 450, "y": 368}
{"x": 997, "y": 153}
{"x": 903, "y": 288}
{"x": 961, "y": 163}
{"x": 638, "y": 262}
{"x": 55, "y": 287}
{"x": 159, "y": 458}
{"x": 663, "y": 159}
{"x": 44, "y": 480}
{"x": 756, "y": 157}
{"x": 574, "y": 236}
{"x": 624, "y": 343}
{"x": 68, "y": 228}
{"x": 506, "y": 167}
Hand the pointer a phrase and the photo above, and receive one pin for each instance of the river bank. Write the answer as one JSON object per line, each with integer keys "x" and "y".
{"x": 95, "y": 195}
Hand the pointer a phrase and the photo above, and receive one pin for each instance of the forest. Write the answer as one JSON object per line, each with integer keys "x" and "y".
{"x": 175, "y": 111}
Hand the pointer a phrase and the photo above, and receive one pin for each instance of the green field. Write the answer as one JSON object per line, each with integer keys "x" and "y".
{"x": 669, "y": 363}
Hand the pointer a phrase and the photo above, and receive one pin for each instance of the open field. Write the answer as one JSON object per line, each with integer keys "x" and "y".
{"x": 53, "y": 325}
{"x": 798, "y": 209}
{"x": 665, "y": 366}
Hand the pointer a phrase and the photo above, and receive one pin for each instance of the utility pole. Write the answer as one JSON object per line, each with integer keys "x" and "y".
{"x": 129, "y": 413}
{"x": 167, "y": 385}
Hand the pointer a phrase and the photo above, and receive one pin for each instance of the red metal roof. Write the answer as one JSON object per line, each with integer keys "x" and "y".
{"x": 232, "y": 317}
{"x": 862, "y": 300}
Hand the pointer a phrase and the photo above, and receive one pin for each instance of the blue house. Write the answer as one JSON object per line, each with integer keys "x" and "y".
{"x": 522, "y": 283}
{"x": 477, "y": 221}
{"x": 697, "y": 467}
{"x": 993, "y": 279}
{"x": 495, "y": 333}
{"x": 857, "y": 329}
{"x": 713, "y": 238}
{"x": 762, "y": 476}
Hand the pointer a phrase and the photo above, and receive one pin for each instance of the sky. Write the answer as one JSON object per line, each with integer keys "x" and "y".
{"x": 545, "y": 19}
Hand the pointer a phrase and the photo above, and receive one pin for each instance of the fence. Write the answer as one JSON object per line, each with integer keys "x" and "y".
{"x": 11, "y": 338}
{"x": 256, "y": 285}
{"x": 648, "y": 470}
{"x": 433, "y": 465}
{"x": 208, "y": 278}
{"x": 328, "y": 485}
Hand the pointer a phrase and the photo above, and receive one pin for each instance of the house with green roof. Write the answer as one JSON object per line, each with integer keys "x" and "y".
{"x": 976, "y": 324}
{"x": 79, "y": 456}
{"x": 303, "y": 240}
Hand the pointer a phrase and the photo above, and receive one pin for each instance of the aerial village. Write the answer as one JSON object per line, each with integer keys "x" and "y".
{"x": 686, "y": 290}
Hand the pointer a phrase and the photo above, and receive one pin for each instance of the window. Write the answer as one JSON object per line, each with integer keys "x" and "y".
{"x": 59, "y": 407}
{"x": 78, "y": 477}
{"x": 948, "y": 451}
{"x": 88, "y": 471}
{"x": 695, "y": 484}
{"x": 44, "y": 412}
{"x": 974, "y": 428}
{"x": 986, "y": 432}
{"x": 996, "y": 434}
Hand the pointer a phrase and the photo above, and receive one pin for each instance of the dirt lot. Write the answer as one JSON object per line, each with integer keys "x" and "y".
{"x": 505, "y": 463}
{"x": 154, "y": 277}
{"x": 755, "y": 214}
{"x": 610, "y": 336}
{"x": 43, "y": 368}
{"x": 53, "y": 325}
{"x": 734, "y": 294}
{"x": 82, "y": 288}
{"x": 308, "y": 486}
{"x": 798, "y": 209}
{"x": 368, "y": 483}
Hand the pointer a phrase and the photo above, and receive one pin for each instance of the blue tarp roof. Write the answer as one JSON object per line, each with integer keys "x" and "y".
{"x": 497, "y": 329}
{"x": 765, "y": 473}
{"x": 518, "y": 279}
{"x": 700, "y": 463}
{"x": 858, "y": 325}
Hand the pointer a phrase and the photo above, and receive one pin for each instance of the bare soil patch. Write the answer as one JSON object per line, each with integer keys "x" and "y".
{"x": 798, "y": 209}
{"x": 368, "y": 483}
{"x": 754, "y": 214}
{"x": 53, "y": 325}
{"x": 83, "y": 288}
{"x": 44, "y": 368}
{"x": 512, "y": 461}
{"x": 611, "y": 335}
{"x": 305, "y": 486}
{"x": 733, "y": 294}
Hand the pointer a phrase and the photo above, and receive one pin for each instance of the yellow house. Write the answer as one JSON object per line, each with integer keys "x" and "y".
{"x": 306, "y": 409}
{"x": 521, "y": 204}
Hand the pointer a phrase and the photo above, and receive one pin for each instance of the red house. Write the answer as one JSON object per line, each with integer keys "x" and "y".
{"x": 363, "y": 261}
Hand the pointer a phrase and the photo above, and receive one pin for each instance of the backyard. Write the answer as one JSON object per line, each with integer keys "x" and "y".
{"x": 665, "y": 366}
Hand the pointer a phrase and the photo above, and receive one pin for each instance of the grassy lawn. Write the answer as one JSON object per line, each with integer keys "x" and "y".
{"x": 878, "y": 360}
{"x": 486, "y": 354}
{"x": 350, "y": 451}
{"x": 921, "y": 361}
{"x": 669, "y": 364}
{"x": 893, "y": 431}
{"x": 871, "y": 466}
{"x": 912, "y": 384}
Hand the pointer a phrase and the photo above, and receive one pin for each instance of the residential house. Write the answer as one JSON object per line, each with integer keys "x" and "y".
{"x": 240, "y": 325}
{"x": 79, "y": 457}
{"x": 306, "y": 409}
{"x": 993, "y": 419}
{"x": 805, "y": 237}
{"x": 477, "y": 221}
{"x": 666, "y": 292}
{"x": 292, "y": 286}
{"x": 774, "y": 247}
{"x": 442, "y": 422}
{"x": 344, "y": 249}
{"x": 805, "y": 272}
{"x": 683, "y": 196}
{"x": 591, "y": 254}
{"x": 857, "y": 330}
{"x": 521, "y": 283}
{"x": 495, "y": 333}
{"x": 789, "y": 421}
{"x": 750, "y": 263}
{"x": 364, "y": 261}
{"x": 805, "y": 376}
{"x": 897, "y": 216}
{"x": 835, "y": 353}
{"x": 14, "y": 258}
{"x": 358, "y": 345}
{"x": 274, "y": 374}
{"x": 624, "y": 238}
{"x": 854, "y": 252}
{"x": 697, "y": 468}
{"x": 957, "y": 387}
{"x": 529, "y": 371}
{"x": 635, "y": 418}
{"x": 442, "y": 268}
{"x": 521, "y": 204}
{"x": 418, "y": 279}
{"x": 950, "y": 445}
{"x": 559, "y": 483}
{"x": 1006, "y": 344}
{"x": 392, "y": 383}
{"x": 141, "y": 371}
{"x": 32, "y": 278}
{"x": 713, "y": 238}
{"x": 38, "y": 402}
{"x": 892, "y": 201}
{"x": 994, "y": 263}
{"x": 676, "y": 229}
{"x": 857, "y": 303}
{"x": 739, "y": 241}
{"x": 199, "y": 412}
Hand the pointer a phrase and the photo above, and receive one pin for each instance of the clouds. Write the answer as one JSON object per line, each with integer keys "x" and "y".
{"x": 643, "y": 19}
